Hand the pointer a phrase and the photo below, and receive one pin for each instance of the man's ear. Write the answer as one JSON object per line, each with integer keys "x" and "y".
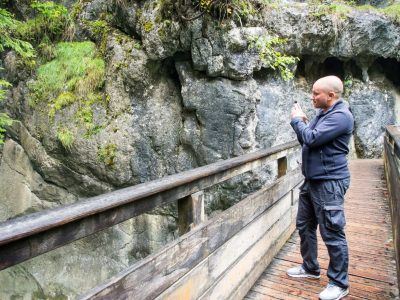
{"x": 332, "y": 94}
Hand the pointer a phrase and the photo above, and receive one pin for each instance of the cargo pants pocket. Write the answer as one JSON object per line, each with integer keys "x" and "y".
{"x": 334, "y": 217}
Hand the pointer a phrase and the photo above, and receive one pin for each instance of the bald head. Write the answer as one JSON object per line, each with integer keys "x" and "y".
{"x": 330, "y": 84}
{"x": 326, "y": 91}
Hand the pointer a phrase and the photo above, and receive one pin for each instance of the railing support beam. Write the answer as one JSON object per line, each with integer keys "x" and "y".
{"x": 190, "y": 212}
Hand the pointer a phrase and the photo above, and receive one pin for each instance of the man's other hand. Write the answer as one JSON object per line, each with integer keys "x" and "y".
{"x": 297, "y": 112}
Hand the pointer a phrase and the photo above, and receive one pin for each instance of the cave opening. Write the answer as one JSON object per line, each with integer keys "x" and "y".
{"x": 311, "y": 69}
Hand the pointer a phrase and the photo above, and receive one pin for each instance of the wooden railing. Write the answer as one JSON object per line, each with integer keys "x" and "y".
{"x": 203, "y": 261}
{"x": 392, "y": 171}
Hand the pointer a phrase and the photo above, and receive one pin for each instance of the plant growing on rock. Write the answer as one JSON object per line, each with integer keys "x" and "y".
{"x": 51, "y": 23}
{"x": 237, "y": 10}
{"x": 9, "y": 40}
{"x": 340, "y": 10}
{"x": 66, "y": 137}
{"x": 107, "y": 153}
{"x": 392, "y": 11}
{"x": 74, "y": 77}
{"x": 5, "y": 120}
{"x": 270, "y": 57}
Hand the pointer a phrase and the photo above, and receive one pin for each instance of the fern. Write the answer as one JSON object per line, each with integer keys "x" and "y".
{"x": 8, "y": 40}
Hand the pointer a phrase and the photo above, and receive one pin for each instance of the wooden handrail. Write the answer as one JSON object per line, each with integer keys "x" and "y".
{"x": 392, "y": 172}
{"x": 393, "y": 134}
{"x": 25, "y": 237}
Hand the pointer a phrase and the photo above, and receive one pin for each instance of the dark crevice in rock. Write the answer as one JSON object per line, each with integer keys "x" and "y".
{"x": 187, "y": 113}
{"x": 389, "y": 67}
{"x": 351, "y": 68}
{"x": 332, "y": 66}
{"x": 168, "y": 67}
{"x": 264, "y": 73}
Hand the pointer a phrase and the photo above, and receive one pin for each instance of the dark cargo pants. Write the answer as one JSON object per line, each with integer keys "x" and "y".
{"x": 321, "y": 202}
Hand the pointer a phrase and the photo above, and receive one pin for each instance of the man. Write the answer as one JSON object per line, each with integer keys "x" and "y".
{"x": 324, "y": 143}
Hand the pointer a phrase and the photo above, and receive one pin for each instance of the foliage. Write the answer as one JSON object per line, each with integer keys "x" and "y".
{"x": 339, "y": 9}
{"x": 107, "y": 153}
{"x": 8, "y": 26}
{"x": 270, "y": 57}
{"x": 66, "y": 137}
{"x": 51, "y": 23}
{"x": 8, "y": 40}
{"x": 237, "y": 10}
{"x": 3, "y": 84}
{"x": 343, "y": 7}
{"x": 99, "y": 30}
{"x": 5, "y": 120}
{"x": 393, "y": 11}
{"x": 74, "y": 76}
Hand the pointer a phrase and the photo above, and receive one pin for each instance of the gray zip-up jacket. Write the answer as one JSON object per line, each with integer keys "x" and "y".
{"x": 325, "y": 142}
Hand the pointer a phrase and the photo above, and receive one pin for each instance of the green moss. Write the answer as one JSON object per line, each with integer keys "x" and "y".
{"x": 392, "y": 11}
{"x": 338, "y": 9}
{"x": 100, "y": 30}
{"x": 148, "y": 26}
{"x": 107, "y": 153}
{"x": 63, "y": 100}
{"x": 99, "y": 27}
{"x": 66, "y": 137}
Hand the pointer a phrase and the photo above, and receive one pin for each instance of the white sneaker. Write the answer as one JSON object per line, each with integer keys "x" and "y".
{"x": 333, "y": 292}
{"x": 300, "y": 272}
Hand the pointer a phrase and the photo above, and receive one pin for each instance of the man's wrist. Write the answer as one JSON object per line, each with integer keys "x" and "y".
{"x": 297, "y": 118}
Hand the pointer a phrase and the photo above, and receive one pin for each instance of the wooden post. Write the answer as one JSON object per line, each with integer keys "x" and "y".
{"x": 190, "y": 212}
{"x": 282, "y": 166}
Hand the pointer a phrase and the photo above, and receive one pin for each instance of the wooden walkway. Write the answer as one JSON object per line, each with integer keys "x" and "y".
{"x": 372, "y": 267}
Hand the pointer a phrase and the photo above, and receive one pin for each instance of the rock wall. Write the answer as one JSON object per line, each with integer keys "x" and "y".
{"x": 181, "y": 95}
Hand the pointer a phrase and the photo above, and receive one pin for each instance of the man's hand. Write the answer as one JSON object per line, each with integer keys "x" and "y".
{"x": 297, "y": 112}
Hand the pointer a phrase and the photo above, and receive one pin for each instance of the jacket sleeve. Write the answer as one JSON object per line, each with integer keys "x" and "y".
{"x": 293, "y": 124}
{"x": 333, "y": 125}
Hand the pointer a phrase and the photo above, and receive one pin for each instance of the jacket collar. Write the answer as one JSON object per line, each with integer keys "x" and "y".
{"x": 321, "y": 112}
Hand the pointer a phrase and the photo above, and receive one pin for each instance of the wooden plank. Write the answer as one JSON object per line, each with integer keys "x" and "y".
{"x": 283, "y": 266}
{"x": 372, "y": 271}
{"x": 260, "y": 264}
{"x": 151, "y": 276}
{"x": 224, "y": 269}
{"x": 202, "y": 276}
{"x": 277, "y": 273}
{"x": 28, "y": 236}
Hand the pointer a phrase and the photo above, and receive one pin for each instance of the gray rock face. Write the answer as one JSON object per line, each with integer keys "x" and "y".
{"x": 277, "y": 98}
{"x": 373, "y": 109}
{"x": 328, "y": 34}
{"x": 22, "y": 189}
{"x": 220, "y": 116}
